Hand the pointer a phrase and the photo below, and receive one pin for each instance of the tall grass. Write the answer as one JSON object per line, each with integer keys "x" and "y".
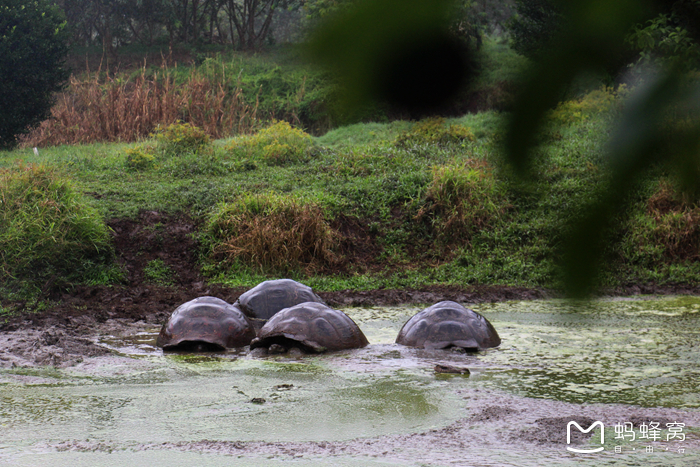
{"x": 98, "y": 108}
{"x": 225, "y": 96}
{"x": 668, "y": 231}
{"x": 463, "y": 198}
{"x": 273, "y": 233}
{"x": 49, "y": 235}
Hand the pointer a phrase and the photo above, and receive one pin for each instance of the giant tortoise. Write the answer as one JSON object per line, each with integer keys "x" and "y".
{"x": 448, "y": 324}
{"x": 206, "y": 323}
{"x": 312, "y": 327}
{"x": 267, "y": 298}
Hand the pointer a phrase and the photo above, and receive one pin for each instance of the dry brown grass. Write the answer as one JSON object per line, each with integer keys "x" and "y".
{"x": 274, "y": 234}
{"x": 676, "y": 223}
{"x": 107, "y": 109}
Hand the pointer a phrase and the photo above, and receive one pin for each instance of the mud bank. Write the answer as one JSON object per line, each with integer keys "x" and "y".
{"x": 60, "y": 336}
{"x": 514, "y": 431}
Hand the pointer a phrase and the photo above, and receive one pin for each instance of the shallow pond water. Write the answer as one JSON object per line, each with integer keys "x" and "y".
{"x": 629, "y": 357}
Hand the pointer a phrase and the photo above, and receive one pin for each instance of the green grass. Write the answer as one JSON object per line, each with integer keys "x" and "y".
{"x": 361, "y": 171}
{"x": 510, "y": 232}
{"x": 157, "y": 272}
{"x": 50, "y": 234}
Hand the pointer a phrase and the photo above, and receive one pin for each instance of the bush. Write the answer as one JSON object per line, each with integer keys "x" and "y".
{"x": 32, "y": 50}
{"x": 180, "y": 138}
{"x": 534, "y": 26}
{"x": 434, "y": 131}
{"x": 276, "y": 145}
{"x": 177, "y": 140}
{"x": 140, "y": 158}
{"x": 49, "y": 235}
{"x": 272, "y": 233}
{"x": 462, "y": 199}
{"x": 669, "y": 230}
{"x": 599, "y": 101}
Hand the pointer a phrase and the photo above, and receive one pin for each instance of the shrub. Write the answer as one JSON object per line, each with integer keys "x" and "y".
{"x": 33, "y": 46}
{"x": 276, "y": 145}
{"x": 434, "y": 131}
{"x": 603, "y": 100}
{"x": 180, "y": 138}
{"x": 462, "y": 198}
{"x": 668, "y": 231}
{"x": 272, "y": 233}
{"x": 176, "y": 141}
{"x": 140, "y": 158}
{"x": 49, "y": 235}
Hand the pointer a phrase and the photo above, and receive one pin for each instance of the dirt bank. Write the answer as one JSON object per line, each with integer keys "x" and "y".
{"x": 60, "y": 335}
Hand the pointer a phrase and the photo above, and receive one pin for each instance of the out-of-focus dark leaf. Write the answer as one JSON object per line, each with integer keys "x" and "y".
{"x": 648, "y": 132}
{"x": 398, "y": 52}
{"x": 591, "y": 37}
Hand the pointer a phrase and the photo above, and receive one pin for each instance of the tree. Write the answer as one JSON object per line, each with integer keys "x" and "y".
{"x": 33, "y": 47}
{"x": 669, "y": 32}
{"x": 251, "y": 19}
{"x": 533, "y": 26}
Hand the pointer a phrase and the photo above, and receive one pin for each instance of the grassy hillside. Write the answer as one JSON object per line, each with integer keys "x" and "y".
{"x": 369, "y": 205}
{"x": 400, "y": 204}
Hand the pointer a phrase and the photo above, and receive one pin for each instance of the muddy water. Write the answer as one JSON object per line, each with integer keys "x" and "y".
{"x": 616, "y": 361}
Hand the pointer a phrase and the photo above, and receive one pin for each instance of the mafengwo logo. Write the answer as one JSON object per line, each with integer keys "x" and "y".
{"x": 590, "y": 450}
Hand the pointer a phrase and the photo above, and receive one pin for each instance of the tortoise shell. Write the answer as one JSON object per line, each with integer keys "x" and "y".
{"x": 207, "y": 323}
{"x": 267, "y": 298}
{"x": 448, "y": 324}
{"x": 314, "y": 326}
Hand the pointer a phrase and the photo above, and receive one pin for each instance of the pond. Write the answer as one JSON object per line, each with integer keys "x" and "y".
{"x": 625, "y": 362}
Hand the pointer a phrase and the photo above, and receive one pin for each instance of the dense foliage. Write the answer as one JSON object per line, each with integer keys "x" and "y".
{"x": 50, "y": 235}
{"x": 32, "y": 51}
{"x": 533, "y": 26}
{"x": 668, "y": 33}
{"x": 247, "y": 24}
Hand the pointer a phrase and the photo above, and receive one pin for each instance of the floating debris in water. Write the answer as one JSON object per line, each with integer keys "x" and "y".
{"x": 451, "y": 370}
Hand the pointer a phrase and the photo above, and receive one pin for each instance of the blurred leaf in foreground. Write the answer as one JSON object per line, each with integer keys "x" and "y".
{"x": 659, "y": 123}
{"x": 399, "y": 53}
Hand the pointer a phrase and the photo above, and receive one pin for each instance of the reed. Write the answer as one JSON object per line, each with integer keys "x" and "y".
{"x": 109, "y": 109}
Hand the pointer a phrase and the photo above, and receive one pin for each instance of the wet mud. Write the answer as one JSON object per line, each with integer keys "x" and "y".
{"x": 497, "y": 430}
{"x": 128, "y": 402}
{"x": 488, "y": 426}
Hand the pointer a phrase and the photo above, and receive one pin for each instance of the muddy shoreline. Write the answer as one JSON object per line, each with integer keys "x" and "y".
{"x": 502, "y": 424}
{"x": 63, "y": 334}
